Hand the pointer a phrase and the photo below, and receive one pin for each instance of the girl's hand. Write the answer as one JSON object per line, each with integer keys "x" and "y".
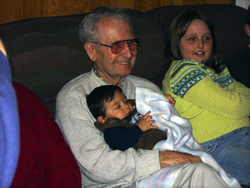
{"x": 146, "y": 122}
{"x": 170, "y": 99}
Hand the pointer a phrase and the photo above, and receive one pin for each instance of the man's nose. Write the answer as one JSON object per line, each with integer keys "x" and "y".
{"x": 126, "y": 50}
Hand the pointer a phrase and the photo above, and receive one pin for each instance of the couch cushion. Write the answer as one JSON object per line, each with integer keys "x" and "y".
{"x": 45, "y": 53}
{"x": 150, "y": 61}
{"x": 229, "y": 21}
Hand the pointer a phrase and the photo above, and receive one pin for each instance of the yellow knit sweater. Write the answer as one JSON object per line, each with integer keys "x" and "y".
{"x": 214, "y": 104}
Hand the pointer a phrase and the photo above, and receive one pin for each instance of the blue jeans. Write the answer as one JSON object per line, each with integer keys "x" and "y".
{"x": 232, "y": 152}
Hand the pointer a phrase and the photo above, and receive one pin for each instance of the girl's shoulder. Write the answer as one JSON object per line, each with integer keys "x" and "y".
{"x": 187, "y": 67}
{"x": 184, "y": 64}
{"x": 184, "y": 74}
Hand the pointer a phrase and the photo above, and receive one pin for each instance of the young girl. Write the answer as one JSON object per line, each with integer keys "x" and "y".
{"x": 217, "y": 106}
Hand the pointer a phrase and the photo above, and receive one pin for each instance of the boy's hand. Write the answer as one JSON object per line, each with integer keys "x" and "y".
{"x": 170, "y": 99}
{"x": 146, "y": 122}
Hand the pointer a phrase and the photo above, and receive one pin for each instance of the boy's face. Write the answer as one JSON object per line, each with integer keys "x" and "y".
{"x": 118, "y": 107}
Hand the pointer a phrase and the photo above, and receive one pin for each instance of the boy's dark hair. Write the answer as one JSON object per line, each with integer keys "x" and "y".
{"x": 248, "y": 16}
{"x": 98, "y": 97}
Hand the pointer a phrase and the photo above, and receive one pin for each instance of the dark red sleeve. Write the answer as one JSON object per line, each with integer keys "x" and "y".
{"x": 45, "y": 158}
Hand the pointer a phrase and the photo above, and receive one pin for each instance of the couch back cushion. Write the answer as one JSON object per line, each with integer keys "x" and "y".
{"x": 229, "y": 21}
{"x": 46, "y": 53}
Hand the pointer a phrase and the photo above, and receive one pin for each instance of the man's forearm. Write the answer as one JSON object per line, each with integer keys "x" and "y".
{"x": 169, "y": 158}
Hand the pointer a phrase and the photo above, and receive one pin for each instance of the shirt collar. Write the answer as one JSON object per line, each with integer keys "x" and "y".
{"x": 98, "y": 75}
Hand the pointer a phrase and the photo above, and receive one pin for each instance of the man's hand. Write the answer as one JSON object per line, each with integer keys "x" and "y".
{"x": 170, "y": 158}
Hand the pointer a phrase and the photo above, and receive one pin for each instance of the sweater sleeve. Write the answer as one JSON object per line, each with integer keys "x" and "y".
{"x": 241, "y": 88}
{"x": 196, "y": 84}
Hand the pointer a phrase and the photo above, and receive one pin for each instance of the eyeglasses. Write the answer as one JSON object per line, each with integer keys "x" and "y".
{"x": 118, "y": 46}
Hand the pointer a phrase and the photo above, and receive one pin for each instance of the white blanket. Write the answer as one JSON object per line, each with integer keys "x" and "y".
{"x": 179, "y": 138}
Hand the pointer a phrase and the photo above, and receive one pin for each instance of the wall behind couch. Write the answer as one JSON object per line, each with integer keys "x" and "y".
{"x": 13, "y": 10}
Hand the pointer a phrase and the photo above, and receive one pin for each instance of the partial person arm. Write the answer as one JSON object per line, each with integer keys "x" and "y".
{"x": 241, "y": 88}
{"x": 9, "y": 124}
{"x": 45, "y": 159}
{"x": 169, "y": 158}
{"x": 60, "y": 165}
{"x": 222, "y": 101}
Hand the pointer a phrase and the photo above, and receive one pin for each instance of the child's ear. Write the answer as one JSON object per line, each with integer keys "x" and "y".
{"x": 101, "y": 119}
{"x": 247, "y": 29}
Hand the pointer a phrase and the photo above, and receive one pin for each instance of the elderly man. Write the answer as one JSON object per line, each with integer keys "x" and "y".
{"x": 108, "y": 39}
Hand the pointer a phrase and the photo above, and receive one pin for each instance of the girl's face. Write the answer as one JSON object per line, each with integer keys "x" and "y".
{"x": 197, "y": 42}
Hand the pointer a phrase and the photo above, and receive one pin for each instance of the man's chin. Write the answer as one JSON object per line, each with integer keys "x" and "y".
{"x": 125, "y": 73}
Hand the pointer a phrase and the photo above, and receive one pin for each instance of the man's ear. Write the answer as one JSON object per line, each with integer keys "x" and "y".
{"x": 101, "y": 119}
{"x": 247, "y": 29}
{"x": 91, "y": 51}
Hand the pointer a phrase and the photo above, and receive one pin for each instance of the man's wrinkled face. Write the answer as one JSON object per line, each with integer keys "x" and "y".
{"x": 111, "y": 65}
